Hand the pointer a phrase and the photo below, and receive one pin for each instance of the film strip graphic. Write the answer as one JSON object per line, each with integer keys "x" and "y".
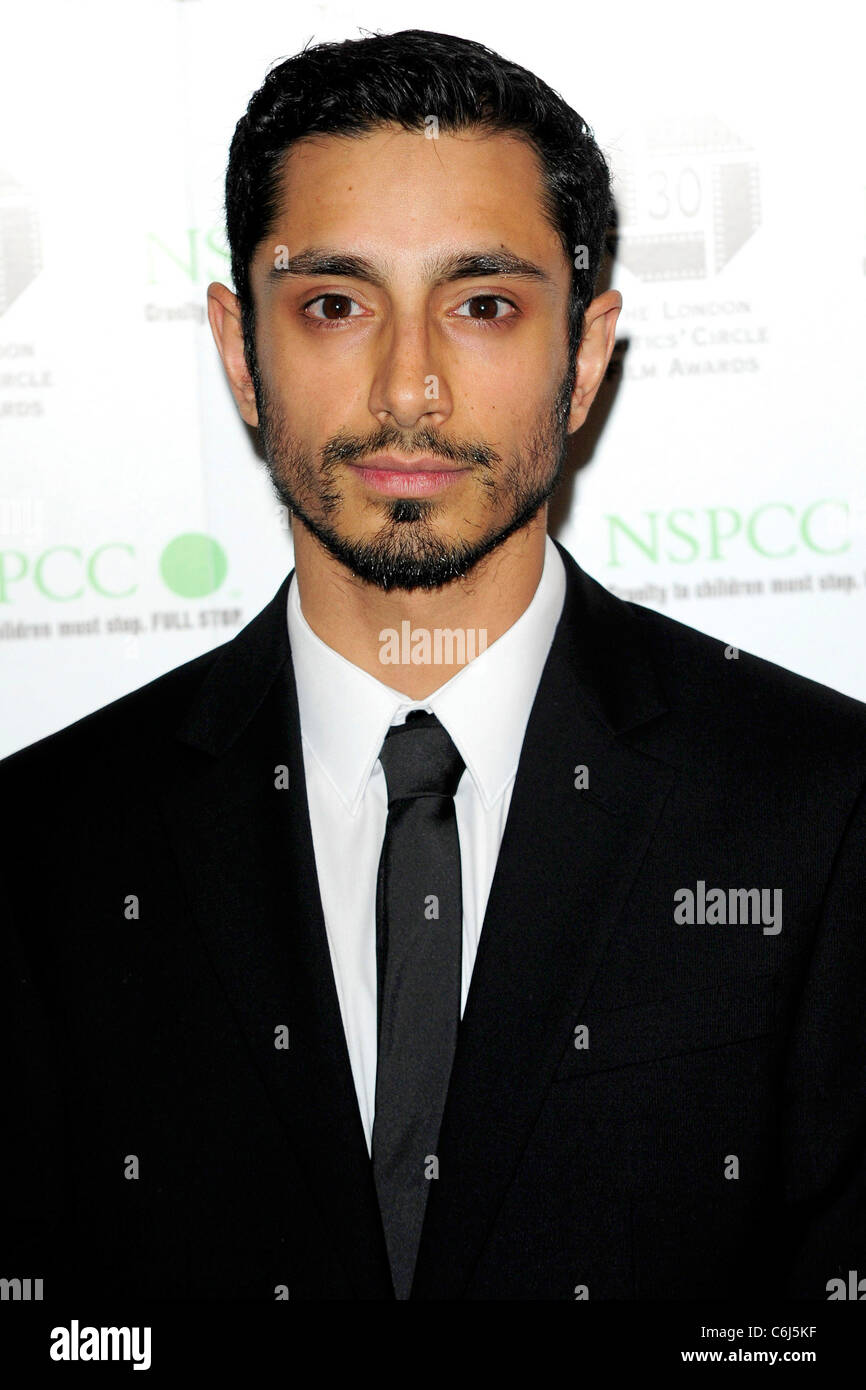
{"x": 688, "y": 196}
{"x": 20, "y": 242}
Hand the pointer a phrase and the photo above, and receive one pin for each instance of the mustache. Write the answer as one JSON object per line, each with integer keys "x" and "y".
{"x": 344, "y": 448}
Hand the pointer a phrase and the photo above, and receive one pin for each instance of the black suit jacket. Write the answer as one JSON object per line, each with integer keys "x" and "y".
{"x": 163, "y": 921}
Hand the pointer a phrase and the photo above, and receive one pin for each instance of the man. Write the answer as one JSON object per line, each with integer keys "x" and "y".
{"x": 456, "y": 931}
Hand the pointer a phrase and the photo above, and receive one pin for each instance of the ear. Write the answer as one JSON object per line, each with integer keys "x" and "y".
{"x": 224, "y": 314}
{"x": 594, "y": 354}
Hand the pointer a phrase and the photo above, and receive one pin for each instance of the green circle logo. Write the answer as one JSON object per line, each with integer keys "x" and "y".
{"x": 193, "y": 565}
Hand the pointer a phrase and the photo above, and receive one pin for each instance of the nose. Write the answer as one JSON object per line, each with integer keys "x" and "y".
{"x": 409, "y": 386}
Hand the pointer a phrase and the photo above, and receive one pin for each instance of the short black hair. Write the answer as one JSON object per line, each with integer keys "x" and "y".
{"x": 354, "y": 86}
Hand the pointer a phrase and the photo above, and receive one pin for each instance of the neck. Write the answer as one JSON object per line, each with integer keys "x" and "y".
{"x": 351, "y": 615}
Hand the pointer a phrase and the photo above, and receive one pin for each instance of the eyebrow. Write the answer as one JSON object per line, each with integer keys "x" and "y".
{"x": 438, "y": 270}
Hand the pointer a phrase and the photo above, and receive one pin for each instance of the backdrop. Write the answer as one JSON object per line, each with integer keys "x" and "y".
{"x": 722, "y": 479}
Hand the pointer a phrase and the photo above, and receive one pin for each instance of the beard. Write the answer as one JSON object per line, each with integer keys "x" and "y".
{"x": 407, "y": 552}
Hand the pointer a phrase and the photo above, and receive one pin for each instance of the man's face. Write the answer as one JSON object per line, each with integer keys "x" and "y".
{"x": 412, "y": 358}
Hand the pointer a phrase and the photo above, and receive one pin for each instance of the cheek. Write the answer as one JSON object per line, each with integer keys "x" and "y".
{"x": 325, "y": 384}
{"x": 500, "y": 386}
{"x": 308, "y": 400}
{"x": 506, "y": 409}
{"x": 522, "y": 375}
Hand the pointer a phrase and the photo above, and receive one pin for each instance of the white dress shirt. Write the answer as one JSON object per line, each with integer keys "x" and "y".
{"x": 345, "y": 714}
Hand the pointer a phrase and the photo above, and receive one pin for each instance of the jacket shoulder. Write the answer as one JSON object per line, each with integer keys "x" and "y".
{"x": 704, "y": 675}
{"x": 138, "y": 720}
{"x": 141, "y": 725}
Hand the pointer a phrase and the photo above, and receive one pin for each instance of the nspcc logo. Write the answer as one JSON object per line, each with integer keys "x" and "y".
{"x": 192, "y": 566}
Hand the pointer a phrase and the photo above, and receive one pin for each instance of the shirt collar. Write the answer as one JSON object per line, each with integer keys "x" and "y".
{"x": 345, "y": 712}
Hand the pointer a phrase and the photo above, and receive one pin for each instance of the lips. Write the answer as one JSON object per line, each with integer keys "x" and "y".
{"x": 389, "y": 463}
{"x": 396, "y": 477}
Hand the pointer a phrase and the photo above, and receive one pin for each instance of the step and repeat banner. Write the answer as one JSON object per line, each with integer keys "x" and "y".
{"x": 720, "y": 478}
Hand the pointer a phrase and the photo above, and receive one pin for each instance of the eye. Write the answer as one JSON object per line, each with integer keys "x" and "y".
{"x": 337, "y": 302}
{"x": 486, "y": 302}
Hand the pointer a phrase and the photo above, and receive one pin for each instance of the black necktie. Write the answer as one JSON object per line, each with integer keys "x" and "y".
{"x": 419, "y": 946}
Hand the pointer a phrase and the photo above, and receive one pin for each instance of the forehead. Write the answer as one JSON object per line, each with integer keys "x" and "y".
{"x": 393, "y": 194}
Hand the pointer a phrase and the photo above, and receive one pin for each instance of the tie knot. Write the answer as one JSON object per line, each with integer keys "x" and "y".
{"x": 419, "y": 759}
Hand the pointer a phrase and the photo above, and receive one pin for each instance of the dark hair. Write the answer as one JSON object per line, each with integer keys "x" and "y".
{"x": 351, "y": 87}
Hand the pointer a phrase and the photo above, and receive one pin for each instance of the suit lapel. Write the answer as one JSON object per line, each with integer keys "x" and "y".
{"x": 244, "y": 848}
{"x": 567, "y": 860}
